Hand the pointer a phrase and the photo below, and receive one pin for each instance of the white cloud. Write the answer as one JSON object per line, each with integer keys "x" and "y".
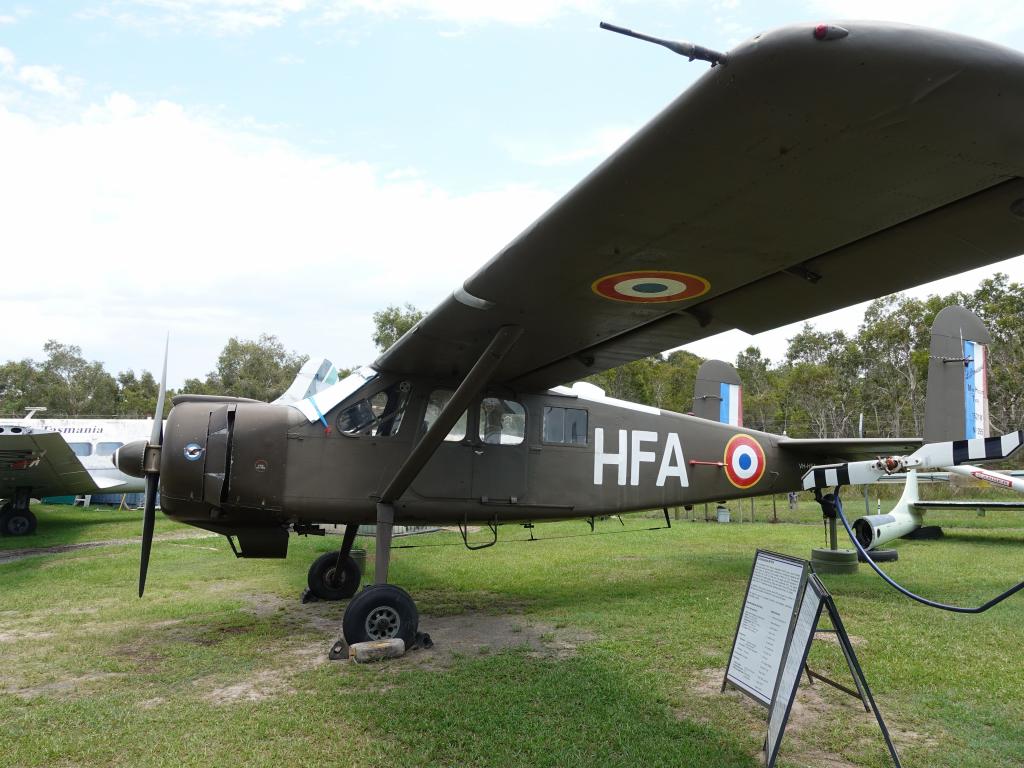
{"x": 17, "y": 15}
{"x": 468, "y": 12}
{"x": 131, "y": 219}
{"x": 218, "y": 16}
{"x": 48, "y": 80}
{"x": 244, "y": 16}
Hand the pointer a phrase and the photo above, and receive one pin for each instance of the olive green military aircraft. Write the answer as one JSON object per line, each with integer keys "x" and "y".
{"x": 809, "y": 168}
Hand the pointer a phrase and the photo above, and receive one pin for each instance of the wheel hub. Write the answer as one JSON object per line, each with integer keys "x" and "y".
{"x": 383, "y": 623}
{"x": 17, "y": 525}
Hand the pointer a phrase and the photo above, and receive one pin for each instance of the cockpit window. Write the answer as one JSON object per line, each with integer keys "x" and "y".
{"x": 502, "y": 422}
{"x": 379, "y": 415}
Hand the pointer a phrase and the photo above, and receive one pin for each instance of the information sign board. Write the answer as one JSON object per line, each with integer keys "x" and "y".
{"x": 794, "y": 660}
{"x": 766, "y": 620}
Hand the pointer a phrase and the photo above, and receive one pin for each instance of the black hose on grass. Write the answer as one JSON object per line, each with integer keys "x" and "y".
{"x": 906, "y": 592}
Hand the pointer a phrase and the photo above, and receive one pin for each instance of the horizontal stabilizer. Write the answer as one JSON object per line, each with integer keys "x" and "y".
{"x": 931, "y": 456}
{"x": 848, "y": 448}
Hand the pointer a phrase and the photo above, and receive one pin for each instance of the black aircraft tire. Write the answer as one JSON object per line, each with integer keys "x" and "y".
{"x": 881, "y": 555}
{"x": 18, "y": 523}
{"x": 380, "y": 612}
{"x": 324, "y": 581}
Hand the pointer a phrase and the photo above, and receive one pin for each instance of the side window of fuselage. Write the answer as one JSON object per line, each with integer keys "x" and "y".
{"x": 565, "y": 426}
{"x": 439, "y": 399}
{"x": 107, "y": 449}
{"x": 379, "y": 415}
{"x": 502, "y": 422}
{"x": 81, "y": 449}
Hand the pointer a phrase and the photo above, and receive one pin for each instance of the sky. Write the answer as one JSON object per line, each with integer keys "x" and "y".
{"x": 218, "y": 168}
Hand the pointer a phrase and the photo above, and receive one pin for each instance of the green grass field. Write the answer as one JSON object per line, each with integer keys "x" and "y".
{"x": 602, "y": 649}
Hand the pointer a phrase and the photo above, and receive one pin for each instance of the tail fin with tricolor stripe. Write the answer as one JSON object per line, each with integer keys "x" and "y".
{"x": 718, "y": 393}
{"x": 956, "y": 407}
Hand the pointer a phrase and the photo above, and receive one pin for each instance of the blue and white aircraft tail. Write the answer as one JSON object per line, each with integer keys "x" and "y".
{"x": 956, "y": 438}
{"x": 718, "y": 393}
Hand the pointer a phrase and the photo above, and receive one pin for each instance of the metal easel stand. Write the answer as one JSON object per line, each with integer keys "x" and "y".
{"x": 863, "y": 691}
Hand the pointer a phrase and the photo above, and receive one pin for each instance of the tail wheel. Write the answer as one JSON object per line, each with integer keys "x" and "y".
{"x": 381, "y": 612}
{"x": 330, "y": 581}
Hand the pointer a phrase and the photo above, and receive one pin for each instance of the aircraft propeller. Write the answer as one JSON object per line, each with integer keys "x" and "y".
{"x": 151, "y": 466}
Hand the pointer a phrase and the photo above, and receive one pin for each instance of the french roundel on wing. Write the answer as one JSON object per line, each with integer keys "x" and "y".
{"x": 744, "y": 461}
{"x": 650, "y": 286}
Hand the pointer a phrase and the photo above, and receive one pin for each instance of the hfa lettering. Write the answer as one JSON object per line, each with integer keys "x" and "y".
{"x": 631, "y": 455}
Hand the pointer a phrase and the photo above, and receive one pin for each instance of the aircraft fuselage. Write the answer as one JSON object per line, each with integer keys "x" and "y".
{"x": 513, "y": 457}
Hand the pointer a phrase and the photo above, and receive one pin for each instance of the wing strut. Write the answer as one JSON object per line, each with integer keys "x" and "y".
{"x": 477, "y": 378}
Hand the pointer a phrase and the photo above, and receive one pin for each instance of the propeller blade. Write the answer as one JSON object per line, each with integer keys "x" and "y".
{"x": 153, "y": 477}
{"x": 148, "y": 523}
{"x": 156, "y": 438}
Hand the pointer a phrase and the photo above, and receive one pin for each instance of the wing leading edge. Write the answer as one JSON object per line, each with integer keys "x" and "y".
{"x": 801, "y": 177}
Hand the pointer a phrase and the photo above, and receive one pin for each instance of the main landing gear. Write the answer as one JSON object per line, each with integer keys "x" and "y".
{"x": 16, "y": 519}
{"x": 335, "y": 575}
{"x": 381, "y": 611}
{"x": 384, "y": 611}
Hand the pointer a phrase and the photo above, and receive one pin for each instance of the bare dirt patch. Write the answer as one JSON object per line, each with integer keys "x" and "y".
{"x": 467, "y": 633}
{"x": 455, "y": 636}
{"x": 66, "y": 687}
{"x": 476, "y": 634}
{"x": 19, "y": 635}
{"x": 259, "y": 686}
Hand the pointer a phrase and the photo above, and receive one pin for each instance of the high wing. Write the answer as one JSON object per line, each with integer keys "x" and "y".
{"x": 801, "y": 176}
{"x": 41, "y": 460}
{"x": 848, "y": 449}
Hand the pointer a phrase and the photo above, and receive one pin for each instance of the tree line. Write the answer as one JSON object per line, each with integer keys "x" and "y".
{"x": 827, "y": 379}
{"x": 820, "y": 388}
{"x": 68, "y": 385}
